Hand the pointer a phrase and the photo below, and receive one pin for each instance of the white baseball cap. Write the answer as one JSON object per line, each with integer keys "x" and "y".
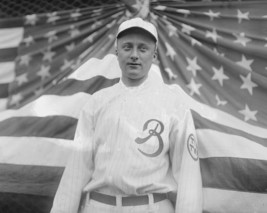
{"x": 139, "y": 23}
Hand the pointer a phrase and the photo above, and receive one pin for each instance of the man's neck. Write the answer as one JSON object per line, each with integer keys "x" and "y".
{"x": 133, "y": 82}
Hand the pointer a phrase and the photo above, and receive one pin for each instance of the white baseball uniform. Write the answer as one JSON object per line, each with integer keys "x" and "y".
{"x": 130, "y": 141}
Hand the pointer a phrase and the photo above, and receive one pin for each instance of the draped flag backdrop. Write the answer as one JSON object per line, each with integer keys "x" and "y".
{"x": 211, "y": 53}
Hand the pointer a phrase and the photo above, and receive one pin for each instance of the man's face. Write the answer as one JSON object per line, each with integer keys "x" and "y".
{"x": 136, "y": 51}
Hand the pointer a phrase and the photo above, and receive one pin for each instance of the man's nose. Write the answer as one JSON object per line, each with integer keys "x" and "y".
{"x": 134, "y": 54}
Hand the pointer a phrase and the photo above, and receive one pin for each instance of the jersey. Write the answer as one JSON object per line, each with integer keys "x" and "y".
{"x": 130, "y": 141}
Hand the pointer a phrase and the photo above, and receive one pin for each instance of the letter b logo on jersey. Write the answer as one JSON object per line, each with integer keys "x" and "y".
{"x": 156, "y": 127}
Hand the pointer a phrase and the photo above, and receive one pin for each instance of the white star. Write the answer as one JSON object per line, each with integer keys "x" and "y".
{"x": 242, "y": 16}
{"x": 219, "y": 75}
{"x": 67, "y": 64}
{"x": 160, "y": 7}
{"x": 48, "y": 55}
{"x": 183, "y": 11}
{"x": 172, "y": 30}
{"x": 74, "y": 32}
{"x": 31, "y": 19}
{"x": 217, "y": 53}
{"x": 28, "y": 40}
{"x": 245, "y": 63}
{"x": 194, "y": 88}
{"x": 219, "y": 101}
{"x": 52, "y": 17}
{"x": 240, "y": 38}
{"x": 15, "y": 99}
{"x": 212, "y": 14}
{"x": 51, "y": 35}
{"x": 25, "y": 59}
{"x": 171, "y": 76}
{"x": 247, "y": 83}
{"x": 44, "y": 72}
{"x": 170, "y": 51}
{"x": 70, "y": 47}
{"x": 75, "y": 15}
{"x": 187, "y": 29}
{"x": 90, "y": 38}
{"x": 249, "y": 115}
{"x": 195, "y": 42}
{"x": 22, "y": 79}
{"x": 109, "y": 25}
{"x": 96, "y": 24}
{"x": 213, "y": 35}
{"x": 192, "y": 65}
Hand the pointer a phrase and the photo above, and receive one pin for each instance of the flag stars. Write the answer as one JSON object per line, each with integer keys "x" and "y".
{"x": 74, "y": 32}
{"x": 90, "y": 38}
{"x": 241, "y": 16}
{"x": 75, "y": 15}
{"x": 51, "y": 36}
{"x": 52, "y": 17}
{"x": 219, "y": 75}
{"x": 245, "y": 63}
{"x": 170, "y": 51}
{"x": 213, "y": 35}
{"x": 195, "y": 42}
{"x": 15, "y": 99}
{"x": 21, "y": 79}
{"x": 44, "y": 72}
{"x": 248, "y": 83}
{"x": 248, "y": 114}
{"x": 192, "y": 65}
{"x": 31, "y": 19}
{"x": 187, "y": 29}
{"x": 25, "y": 60}
{"x": 48, "y": 55}
{"x": 184, "y": 12}
{"x": 172, "y": 30}
{"x": 242, "y": 39}
{"x": 66, "y": 64}
{"x": 28, "y": 41}
{"x": 171, "y": 76}
{"x": 70, "y": 47}
{"x": 212, "y": 14}
{"x": 194, "y": 87}
{"x": 219, "y": 101}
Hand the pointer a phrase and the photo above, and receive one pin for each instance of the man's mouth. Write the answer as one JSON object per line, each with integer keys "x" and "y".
{"x": 134, "y": 64}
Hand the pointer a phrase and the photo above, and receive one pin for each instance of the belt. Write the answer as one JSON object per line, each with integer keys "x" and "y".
{"x": 126, "y": 201}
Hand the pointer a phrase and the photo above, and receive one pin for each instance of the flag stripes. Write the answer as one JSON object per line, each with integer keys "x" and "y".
{"x": 24, "y": 179}
{"x": 219, "y": 200}
{"x": 203, "y": 123}
{"x": 90, "y": 86}
{"x": 234, "y": 174}
{"x": 49, "y": 105}
{"x": 35, "y": 151}
{"x": 35, "y": 127}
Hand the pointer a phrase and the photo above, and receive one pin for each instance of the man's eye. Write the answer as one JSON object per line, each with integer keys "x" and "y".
{"x": 143, "y": 49}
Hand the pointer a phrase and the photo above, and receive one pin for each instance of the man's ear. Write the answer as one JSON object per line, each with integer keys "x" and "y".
{"x": 155, "y": 56}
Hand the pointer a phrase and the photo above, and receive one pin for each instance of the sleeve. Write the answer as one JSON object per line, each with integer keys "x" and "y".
{"x": 185, "y": 165}
{"x": 79, "y": 167}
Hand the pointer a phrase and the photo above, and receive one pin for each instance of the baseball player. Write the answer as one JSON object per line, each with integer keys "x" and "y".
{"x": 136, "y": 146}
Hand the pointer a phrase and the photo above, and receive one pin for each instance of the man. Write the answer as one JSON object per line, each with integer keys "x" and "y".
{"x": 131, "y": 139}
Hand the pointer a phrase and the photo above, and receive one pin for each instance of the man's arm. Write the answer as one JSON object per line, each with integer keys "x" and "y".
{"x": 185, "y": 165}
{"x": 79, "y": 168}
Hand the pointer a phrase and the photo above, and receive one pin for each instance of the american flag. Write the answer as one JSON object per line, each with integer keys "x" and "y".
{"x": 211, "y": 53}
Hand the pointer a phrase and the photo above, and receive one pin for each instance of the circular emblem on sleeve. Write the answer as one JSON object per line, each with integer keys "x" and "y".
{"x": 192, "y": 147}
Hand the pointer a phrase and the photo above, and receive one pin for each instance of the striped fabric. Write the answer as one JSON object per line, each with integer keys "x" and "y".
{"x": 214, "y": 50}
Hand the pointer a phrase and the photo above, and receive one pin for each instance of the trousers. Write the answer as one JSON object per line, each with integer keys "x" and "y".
{"x": 92, "y": 206}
